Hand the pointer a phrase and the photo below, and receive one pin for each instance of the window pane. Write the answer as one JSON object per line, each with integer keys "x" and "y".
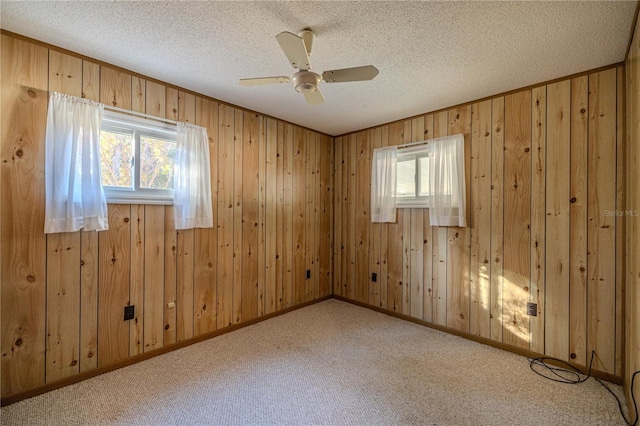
{"x": 406, "y": 187}
{"x": 115, "y": 158}
{"x": 424, "y": 177}
{"x": 156, "y": 162}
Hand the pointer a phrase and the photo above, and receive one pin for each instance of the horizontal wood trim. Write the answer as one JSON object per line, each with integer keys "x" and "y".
{"x": 499, "y": 345}
{"x": 147, "y": 355}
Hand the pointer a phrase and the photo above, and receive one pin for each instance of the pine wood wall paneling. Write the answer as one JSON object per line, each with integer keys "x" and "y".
{"x": 89, "y": 253}
{"x": 578, "y": 220}
{"x": 237, "y": 214}
{"x": 299, "y": 208}
{"x": 278, "y": 133}
{"x": 345, "y": 217}
{"x": 374, "y": 235}
{"x": 538, "y": 243}
{"x": 288, "y": 261}
{"x": 186, "y": 246}
{"x": 317, "y": 212}
{"x": 558, "y": 218}
{"x": 327, "y": 185}
{"x": 632, "y": 158}
{"x": 406, "y": 239}
{"x": 416, "y": 240}
{"x": 517, "y": 215}
{"x": 114, "y": 248}
{"x": 252, "y": 126}
{"x": 621, "y": 225}
{"x": 394, "y": 248}
{"x": 261, "y": 243}
{"x": 440, "y": 129}
{"x": 225, "y": 217}
{"x": 171, "y": 240}
{"x": 480, "y": 225}
{"x": 338, "y": 245}
{"x": 309, "y": 222}
{"x": 113, "y": 286}
{"x": 363, "y": 218}
{"x": 601, "y": 225}
{"x": 497, "y": 218}
{"x": 153, "y": 277}
{"x": 136, "y": 279}
{"x": 205, "y": 239}
{"x": 273, "y": 220}
{"x": 427, "y": 273}
{"x": 384, "y": 239}
{"x": 352, "y": 170}
{"x": 459, "y": 246}
{"x": 63, "y": 257}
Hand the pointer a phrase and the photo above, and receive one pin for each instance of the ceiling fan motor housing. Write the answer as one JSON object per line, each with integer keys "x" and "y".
{"x": 306, "y": 81}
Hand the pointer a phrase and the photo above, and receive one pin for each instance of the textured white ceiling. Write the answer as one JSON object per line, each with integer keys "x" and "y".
{"x": 430, "y": 55}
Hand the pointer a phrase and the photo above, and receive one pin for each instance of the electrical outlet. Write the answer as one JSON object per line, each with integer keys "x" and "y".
{"x": 532, "y": 309}
{"x": 374, "y": 277}
{"x": 129, "y": 312}
{"x": 308, "y": 273}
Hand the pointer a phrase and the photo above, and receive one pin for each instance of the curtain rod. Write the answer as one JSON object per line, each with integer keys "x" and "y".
{"x": 140, "y": 114}
{"x": 407, "y": 145}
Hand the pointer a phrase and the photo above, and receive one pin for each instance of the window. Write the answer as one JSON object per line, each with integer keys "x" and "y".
{"x": 137, "y": 159}
{"x": 412, "y": 187}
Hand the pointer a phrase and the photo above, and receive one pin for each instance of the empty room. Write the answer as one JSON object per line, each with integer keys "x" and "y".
{"x": 320, "y": 212}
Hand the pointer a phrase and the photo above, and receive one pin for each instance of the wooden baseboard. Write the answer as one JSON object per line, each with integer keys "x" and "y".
{"x": 11, "y": 399}
{"x": 499, "y": 345}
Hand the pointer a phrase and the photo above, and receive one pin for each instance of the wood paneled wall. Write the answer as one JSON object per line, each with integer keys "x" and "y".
{"x": 63, "y": 295}
{"x": 543, "y": 185}
{"x": 632, "y": 218}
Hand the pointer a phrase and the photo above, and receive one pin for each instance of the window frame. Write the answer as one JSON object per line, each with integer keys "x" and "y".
{"x": 119, "y": 122}
{"x": 414, "y": 153}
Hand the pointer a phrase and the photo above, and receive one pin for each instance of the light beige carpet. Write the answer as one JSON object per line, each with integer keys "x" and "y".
{"x": 332, "y": 363}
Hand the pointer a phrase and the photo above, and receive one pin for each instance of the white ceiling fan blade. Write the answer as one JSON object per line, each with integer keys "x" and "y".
{"x": 293, "y": 46}
{"x": 314, "y": 98}
{"x": 263, "y": 80}
{"x": 367, "y": 72}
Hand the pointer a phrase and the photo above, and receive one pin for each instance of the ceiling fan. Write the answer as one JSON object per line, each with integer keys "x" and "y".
{"x": 298, "y": 49}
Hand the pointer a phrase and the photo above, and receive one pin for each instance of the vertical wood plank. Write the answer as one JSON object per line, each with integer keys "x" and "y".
{"x": 288, "y": 188}
{"x": 416, "y": 240}
{"x": 394, "y": 248}
{"x": 153, "y": 277}
{"x": 309, "y": 222}
{"x": 250, "y": 210}
{"x": 601, "y": 219}
{"x": 558, "y": 237}
{"x": 384, "y": 240}
{"x": 237, "y": 213}
{"x": 621, "y": 226}
{"x": 406, "y": 240}
{"x": 578, "y": 221}
{"x": 262, "y": 229}
{"x": 517, "y": 213}
{"x": 276, "y": 129}
{"x": 538, "y": 175}
{"x": 480, "y": 225}
{"x": 362, "y": 206}
{"x": 497, "y": 217}
{"x": 186, "y": 246}
{"x": 374, "y": 234}
{"x": 459, "y": 248}
{"x": 325, "y": 237}
{"x": 113, "y": 286}
{"x": 205, "y": 239}
{"x": 440, "y": 129}
{"x": 63, "y": 256}
{"x": 91, "y": 81}
{"x": 427, "y": 250}
{"x": 115, "y": 88}
{"x": 273, "y": 290}
{"x": 352, "y": 191}
{"x": 299, "y": 171}
{"x": 338, "y": 247}
{"x": 136, "y": 286}
{"x": 225, "y": 217}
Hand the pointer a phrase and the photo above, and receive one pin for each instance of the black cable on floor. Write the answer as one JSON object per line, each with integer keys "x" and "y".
{"x": 573, "y": 376}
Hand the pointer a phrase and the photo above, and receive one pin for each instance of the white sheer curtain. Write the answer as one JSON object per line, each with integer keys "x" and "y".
{"x": 192, "y": 188}
{"x": 73, "y": 189}
{"x": 383, "y": 184}
{"x": 446, "y": 181}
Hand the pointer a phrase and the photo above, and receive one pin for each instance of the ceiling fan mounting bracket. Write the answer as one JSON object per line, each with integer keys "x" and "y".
{"x": 307, "y": 36}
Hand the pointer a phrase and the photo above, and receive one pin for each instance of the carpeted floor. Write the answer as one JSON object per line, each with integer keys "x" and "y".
{"x": 332, "y": 363}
